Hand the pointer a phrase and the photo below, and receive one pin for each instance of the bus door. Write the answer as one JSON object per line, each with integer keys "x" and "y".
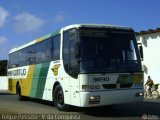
{"x": 73, "y": 71}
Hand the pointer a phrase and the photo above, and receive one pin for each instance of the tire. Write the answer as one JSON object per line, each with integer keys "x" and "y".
{"x": 155, "y": 94}
{"x": 58, "y": 98}
{"x": 18, "y": 92}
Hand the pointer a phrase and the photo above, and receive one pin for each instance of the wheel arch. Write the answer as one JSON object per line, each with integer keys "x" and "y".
{"x": 54, "y": 86}
{"x": 17, "y": 86}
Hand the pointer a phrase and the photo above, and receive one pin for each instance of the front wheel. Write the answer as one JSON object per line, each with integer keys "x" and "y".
{"x": 58, "y": 98}
{"x": 155, "y": 94}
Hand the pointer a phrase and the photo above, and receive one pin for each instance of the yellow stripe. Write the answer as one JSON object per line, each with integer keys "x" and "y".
{"x": 29, "y": 80}
{"x": 12, "y": 85}
{"x": 27, "y": 83}
{"x": 39, "y": 39}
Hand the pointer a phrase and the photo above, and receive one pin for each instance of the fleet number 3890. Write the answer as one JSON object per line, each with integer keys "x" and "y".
{"x": 100, "y": 79}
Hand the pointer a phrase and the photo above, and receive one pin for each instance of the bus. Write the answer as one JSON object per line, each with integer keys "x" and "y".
{"x": 3, "y": 75}
{"x": 82, "y": 65}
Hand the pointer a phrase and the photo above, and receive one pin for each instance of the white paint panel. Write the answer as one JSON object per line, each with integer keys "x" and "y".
{"x": 3, "y": 83}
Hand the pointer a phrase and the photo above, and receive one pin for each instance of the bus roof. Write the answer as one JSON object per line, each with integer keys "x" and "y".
{"x": 67, "y": 28}
{"x": 35, "y": 41}
{"x": 96, "y": 26}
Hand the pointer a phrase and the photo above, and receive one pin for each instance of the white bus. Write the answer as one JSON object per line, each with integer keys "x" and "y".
{"x": 80, "y": 65}
{"x": 3, "y": 75}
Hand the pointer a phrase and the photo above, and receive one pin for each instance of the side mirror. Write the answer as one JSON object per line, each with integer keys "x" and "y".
{"x": 77, "y": 50}
{"x": 140, "y": 50}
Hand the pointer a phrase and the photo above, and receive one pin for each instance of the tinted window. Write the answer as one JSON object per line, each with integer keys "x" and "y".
{"x": 66, "y": 50}
{"x": 37, "y": 53}
{"x": 40, "y": 52}
{"x": 22, "y": 58}
{"x": 69, "y": 60}
{"x": 108, "y": 50}
{"x": 56, "y": 47}
{"x": 13, "y": 59}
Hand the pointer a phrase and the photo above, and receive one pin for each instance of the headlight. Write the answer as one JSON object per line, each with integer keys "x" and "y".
{"x": 90, "y": 87}
{"x": 85, "y": 87}
{"x": 97, "y": 86}
{"x": 98, "y": 97}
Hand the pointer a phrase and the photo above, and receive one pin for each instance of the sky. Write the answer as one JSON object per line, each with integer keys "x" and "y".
{"x": 22, "y": 21}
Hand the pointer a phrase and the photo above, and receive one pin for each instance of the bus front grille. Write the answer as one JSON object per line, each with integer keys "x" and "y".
{"x": 118, "y": 85}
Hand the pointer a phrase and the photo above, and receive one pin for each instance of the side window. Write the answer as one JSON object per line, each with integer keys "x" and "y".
{"x": 30, "y": 54}
{"x": 43, "y": 51}
{"x": 22, "y": 57}
{"x": 14, "y": 60}
{"x": 40, "y": 52}
{"x": 56, "y": 47}
{"x": 66, "y": 51}
{"x": 37, "y": 53}
{"x": 10, "y": 61}
{"x": 69, "y": 60}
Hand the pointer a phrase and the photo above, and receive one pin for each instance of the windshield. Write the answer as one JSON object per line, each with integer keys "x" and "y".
{"x": 108, "y": 51}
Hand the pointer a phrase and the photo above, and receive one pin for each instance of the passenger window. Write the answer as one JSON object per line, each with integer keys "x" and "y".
{"x": 56, "y": 47}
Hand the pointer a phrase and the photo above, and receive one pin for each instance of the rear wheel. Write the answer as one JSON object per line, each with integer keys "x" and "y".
{"x": 18, "y": 92}
{"x": 58, "y": 97}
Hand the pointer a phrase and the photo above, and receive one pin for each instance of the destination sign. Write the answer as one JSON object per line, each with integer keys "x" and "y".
{"x": 98, "y": 33}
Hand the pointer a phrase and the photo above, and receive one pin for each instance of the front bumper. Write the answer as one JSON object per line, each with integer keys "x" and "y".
{"x": 110, "y": 97}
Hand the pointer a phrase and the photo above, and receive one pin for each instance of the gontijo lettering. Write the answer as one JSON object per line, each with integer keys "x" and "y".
{"x": 17, "y": 72}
